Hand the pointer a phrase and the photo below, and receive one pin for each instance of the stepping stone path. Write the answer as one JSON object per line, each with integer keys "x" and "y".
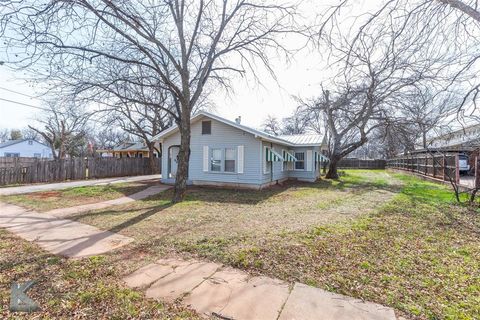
{"x": 214, "y": 290}
{"x": 59, "y": 236}
{"x": 65, "y": 212}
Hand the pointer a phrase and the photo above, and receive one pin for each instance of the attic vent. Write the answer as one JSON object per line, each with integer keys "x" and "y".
{"x": 238, "y": 120}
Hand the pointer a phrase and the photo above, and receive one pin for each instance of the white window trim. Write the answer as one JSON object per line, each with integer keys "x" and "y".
{"x": 266, "y": 167}
{"x": 223, "y": 159}
{"x": 240, "y": 159}
{"x": 304, "y": 162}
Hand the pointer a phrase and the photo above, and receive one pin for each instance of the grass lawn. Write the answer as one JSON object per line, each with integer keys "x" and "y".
{"x": 49, "y": 200}
{"x": 74, "y": 289}
{"x": 384, "y": 237}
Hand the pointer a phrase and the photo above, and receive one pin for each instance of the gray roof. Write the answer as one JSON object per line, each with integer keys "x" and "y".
{"x": 303, "y": 139}
{"x": 131, "y": 146}
{"x": 12, "y": 142}
{"x": 265, "y": 136}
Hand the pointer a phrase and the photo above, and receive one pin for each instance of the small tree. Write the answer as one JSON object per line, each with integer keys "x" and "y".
{"x": 15, "y": 134}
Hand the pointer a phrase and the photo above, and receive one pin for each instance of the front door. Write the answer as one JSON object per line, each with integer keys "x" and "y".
{"x": 173, "y": 159}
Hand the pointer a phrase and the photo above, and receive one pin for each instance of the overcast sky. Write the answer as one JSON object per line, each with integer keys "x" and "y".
{"x": 302, "y": 77}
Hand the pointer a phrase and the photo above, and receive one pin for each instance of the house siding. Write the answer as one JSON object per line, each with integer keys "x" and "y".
{"x": 222, "y": 136}
{"x": 26, "y": 150}
{"x": 305, "y": 175}
{"x": 226, "y": 136}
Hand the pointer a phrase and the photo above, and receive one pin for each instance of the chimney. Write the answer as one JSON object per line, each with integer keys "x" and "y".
{"x": 238, "y": 120}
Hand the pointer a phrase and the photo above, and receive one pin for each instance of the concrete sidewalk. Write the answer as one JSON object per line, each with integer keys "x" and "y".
{"x": 72, "y": 184}
{"x": 214, "y": 290}
{"x": 59, "y": 236}
{"x": 66, "y": 212}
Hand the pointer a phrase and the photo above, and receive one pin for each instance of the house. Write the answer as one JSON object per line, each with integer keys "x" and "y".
{"x": 127, "y": 150}
{"x": 465, "y": 137}
{"x": 227, "y": 153}
{"x": 25, "y": 148}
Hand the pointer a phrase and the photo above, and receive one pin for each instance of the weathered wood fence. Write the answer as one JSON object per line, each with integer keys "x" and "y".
{"x": 40, "y": 170}
{"x": 436, "y": 166}
{"x": 362, "y": 164}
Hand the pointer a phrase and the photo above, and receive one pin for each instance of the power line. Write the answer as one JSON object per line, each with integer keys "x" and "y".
{"x": 20, "y": 93}
{"x": 45, "y": 109}
{"x": 25, "y": 104}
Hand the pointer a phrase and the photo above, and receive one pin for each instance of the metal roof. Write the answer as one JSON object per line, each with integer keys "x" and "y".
{"x": 303, "y": 139}
{"x": 131, "y": 146}
{"x": 265, "y": 136}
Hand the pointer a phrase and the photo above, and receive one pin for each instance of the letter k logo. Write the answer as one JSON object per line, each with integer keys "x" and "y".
{"x": 19, "y": 301}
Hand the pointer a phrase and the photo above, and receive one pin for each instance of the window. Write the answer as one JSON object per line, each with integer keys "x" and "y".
{"x": 30, "y": 142}
{"x": 206, "y": 127}
{"x": 12, "y": 155}
{"x": 300, "y": 163}
{"x": 229, "y": 160}
{"x": 216, "y": 160}
{"x": 37, "y": 155}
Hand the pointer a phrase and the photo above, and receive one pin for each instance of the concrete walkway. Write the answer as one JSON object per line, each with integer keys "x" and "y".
{"x": 66, "y": 212}
{"x": 72, "y": 184}
{"x": 214, "y": 290}
{"x": 59, "y": 236}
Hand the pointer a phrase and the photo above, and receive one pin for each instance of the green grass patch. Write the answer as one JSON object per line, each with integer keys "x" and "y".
{"x": 49, "y": 200}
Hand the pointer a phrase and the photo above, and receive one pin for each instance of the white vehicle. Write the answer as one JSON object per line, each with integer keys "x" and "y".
{"x": 463, "y": 165}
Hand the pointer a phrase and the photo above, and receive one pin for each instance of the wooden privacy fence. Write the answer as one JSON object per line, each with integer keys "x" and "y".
{"x": 74, "y": 169}
{"x": 437, "y": 166}
{"x": 7, "y": 162}
{"x": 362, "y": 164}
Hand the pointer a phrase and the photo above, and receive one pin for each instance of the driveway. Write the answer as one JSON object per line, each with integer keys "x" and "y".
{"x": 72, "y": 184}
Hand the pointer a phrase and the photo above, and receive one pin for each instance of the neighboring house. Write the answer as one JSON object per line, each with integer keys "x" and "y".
{"x": 25, "y": 148}
{"x": 465, "y": 137}
{"x": 227, "y": 153}
{"x": 128, "y": 150}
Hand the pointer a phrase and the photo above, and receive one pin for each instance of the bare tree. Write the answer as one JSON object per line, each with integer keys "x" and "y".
{"x": 64, "y": 128}
{"x": 28, "y": 133}
{"x": 271, "y": 125}
{"x": 297, "y": 123}
{"x": 108, "y": 138}
{"x": 4, "y": 135}
{"x": 448, "y": 30}
{"x": 177, "y": 46}
{"x": 144, "y": 122}
{"x": 376, "y": 68}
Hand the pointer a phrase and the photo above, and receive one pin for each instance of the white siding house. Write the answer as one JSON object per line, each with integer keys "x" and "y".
{"x": 226, "y": 153}
{"x": 25, "y": 148}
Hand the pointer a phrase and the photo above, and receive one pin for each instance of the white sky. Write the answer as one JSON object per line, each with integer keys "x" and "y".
{"x": 252, "y": 101}
{"x": 14, "y": 115}
{"x": 302, "y": 77}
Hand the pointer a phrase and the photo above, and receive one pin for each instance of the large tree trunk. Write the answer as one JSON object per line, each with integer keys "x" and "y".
{"x": 183, "y": 160}
{"x": 153, "y": 161}
{"x": 333, "y": 168}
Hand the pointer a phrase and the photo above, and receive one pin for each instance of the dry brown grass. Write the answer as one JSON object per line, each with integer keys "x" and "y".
{"x": 49, "y": 200}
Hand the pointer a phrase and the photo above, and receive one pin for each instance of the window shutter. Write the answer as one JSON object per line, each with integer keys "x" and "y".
{"x": 205, "y": 158}
{"x": 264, "y": 156}
{"x": 283, "y": 155}
{"x": 290, "y": 165}
{"x": 240, "y": 159}
{"x": 309, "y": 160}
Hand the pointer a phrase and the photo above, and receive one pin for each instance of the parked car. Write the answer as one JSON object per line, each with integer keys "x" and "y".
{"x": 463, "y": 165}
